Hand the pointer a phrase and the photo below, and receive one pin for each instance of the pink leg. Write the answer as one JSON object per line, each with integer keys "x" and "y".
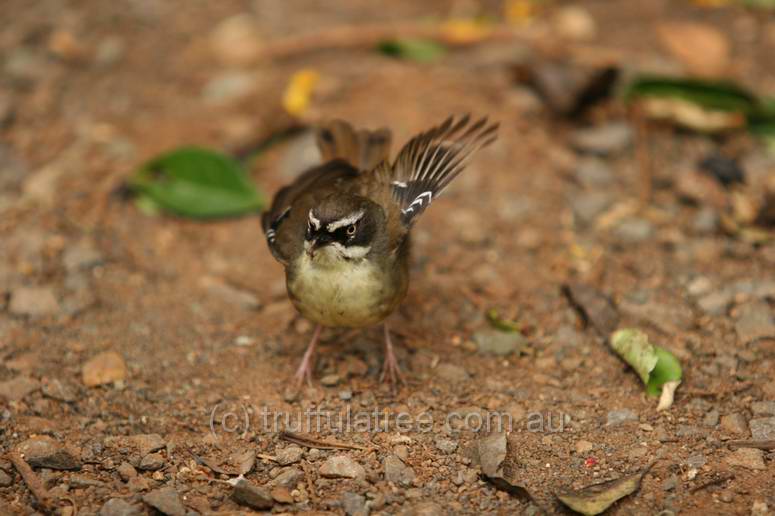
{"x": 307, "y": 363}
{"x": 390, "y": 370}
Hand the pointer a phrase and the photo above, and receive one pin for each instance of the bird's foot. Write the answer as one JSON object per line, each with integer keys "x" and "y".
{"x": 391, "y": 372}
{"x": 307, "y": 365}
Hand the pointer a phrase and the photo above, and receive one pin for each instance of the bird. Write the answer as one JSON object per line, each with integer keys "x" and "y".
{"x": 342, "y": 229}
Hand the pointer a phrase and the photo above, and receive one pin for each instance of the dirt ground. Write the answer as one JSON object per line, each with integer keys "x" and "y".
{"x": 195, "y": 340}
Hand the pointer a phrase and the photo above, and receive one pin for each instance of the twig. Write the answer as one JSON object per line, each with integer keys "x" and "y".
{"x": 643, "y": 156}
{"x": 34, "y": 484}
{"x": 267, "y": 457}
{"x": 711, "y": 482}
{"x": 762, "y": 445}
{"x": 309, "y": 442}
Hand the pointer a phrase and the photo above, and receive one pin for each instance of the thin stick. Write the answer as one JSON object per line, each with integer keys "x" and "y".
{"x": 34, "y": 484}
{"x": 762, "y": 445}
{"x": 309, "y": 442}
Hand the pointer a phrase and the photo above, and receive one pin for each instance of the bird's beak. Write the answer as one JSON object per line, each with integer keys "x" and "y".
{"x": 316, "y": 243}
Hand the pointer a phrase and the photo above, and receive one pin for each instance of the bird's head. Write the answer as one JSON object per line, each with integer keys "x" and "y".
{"x": 343, "y": 227}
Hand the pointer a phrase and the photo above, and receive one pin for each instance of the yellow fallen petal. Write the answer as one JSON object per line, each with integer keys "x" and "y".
{"x": 299, "y": 91}
{"x": 711, "y": 3}
{"x": 517, "y": 12}
{"x": 465, "y": 30}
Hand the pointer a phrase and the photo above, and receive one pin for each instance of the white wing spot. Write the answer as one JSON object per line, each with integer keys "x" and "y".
{"x": 313, "y": 220}
{"x": 419, "y": 200}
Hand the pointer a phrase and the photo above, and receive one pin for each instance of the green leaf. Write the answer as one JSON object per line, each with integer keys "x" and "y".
{"x": 421, "y": 50}
{"x": 497, "y": 322}
{"x": 655, "y": 366}
{"x": 197, "y": 183}
{"x": 714, "y": 95}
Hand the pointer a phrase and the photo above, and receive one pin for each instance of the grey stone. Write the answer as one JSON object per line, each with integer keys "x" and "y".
{"x": 60, "y": 390}
{"x": 354, "y": 504}
{"x": 152, "y": 462}
{"x": 33, "y": 302}
{"x": 288, "y": 478}
{"x": 166, "y": 501}
{"x": 716, "y": 303}
{"x": 5, "y": 479}
{"x": 250, "y": 495}
{"x": 446, "y": 445}
{"x": 689, "y": 431}
{"x": 452, "y": 373}
{"x": 594, "y": 172}
{"x": 633, "y": 230}
{"x": 620, "y": 416}
{"x": 670, "y": 483}
{"x": 289, "y": 455}
{"x": 126, "y": 471}
{"x": 17, "y": 388}
{"x": 734, "y": 424}
{"x": 763, "y": 408}
{"x": 711, "y": 418}
{"x": 82, "y": 255}
{"x": 763, "y": 429}
{"x": 697, "y": 460}
{"x": 755, "y": 321}
{"x": 750, "y": 458}
{"x": 45, "y": 452}
{"x": 604, "y": 140}
{"x": 398, "y": 472}
{"x": 491, "y": 452}
{"x": 228, "y": 87}
{"x": 587, "y": 206}
{"x": 120, "y": 507}
{"x": 499, "y": 343}
{"x": 705, "y": 221}
{"x": 342, "y": 466}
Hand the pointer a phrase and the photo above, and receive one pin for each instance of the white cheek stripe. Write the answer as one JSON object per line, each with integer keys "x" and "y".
{"x": 352, "y": 219}
{"x": 356, "y": 252}
{"x": 315, "y": 222}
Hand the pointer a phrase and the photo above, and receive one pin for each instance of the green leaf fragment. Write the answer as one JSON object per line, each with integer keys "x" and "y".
{"x": 499, "y": 323}
{"x": 197, "y": 183}
{"x": 655, "y": 365}
{"x": 420, "y": 50}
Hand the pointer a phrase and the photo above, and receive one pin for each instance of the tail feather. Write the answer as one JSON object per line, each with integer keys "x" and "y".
{"x": 363, "y": 149}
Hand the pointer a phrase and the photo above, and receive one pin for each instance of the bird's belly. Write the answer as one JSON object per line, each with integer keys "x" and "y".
{"x": 353, "y": 295}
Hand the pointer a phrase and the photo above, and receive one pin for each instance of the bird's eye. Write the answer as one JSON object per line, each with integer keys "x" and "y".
{"x": 351, "y": 230}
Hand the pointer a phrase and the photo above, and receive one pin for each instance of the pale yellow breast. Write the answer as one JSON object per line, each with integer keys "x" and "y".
{"x": 343, "y": 293}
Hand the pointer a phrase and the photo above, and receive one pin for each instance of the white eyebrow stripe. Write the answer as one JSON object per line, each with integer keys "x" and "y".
{"x": 315, "y": 222}
{"x": 399, "y": 184}
{"x": 346, "y": 221}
